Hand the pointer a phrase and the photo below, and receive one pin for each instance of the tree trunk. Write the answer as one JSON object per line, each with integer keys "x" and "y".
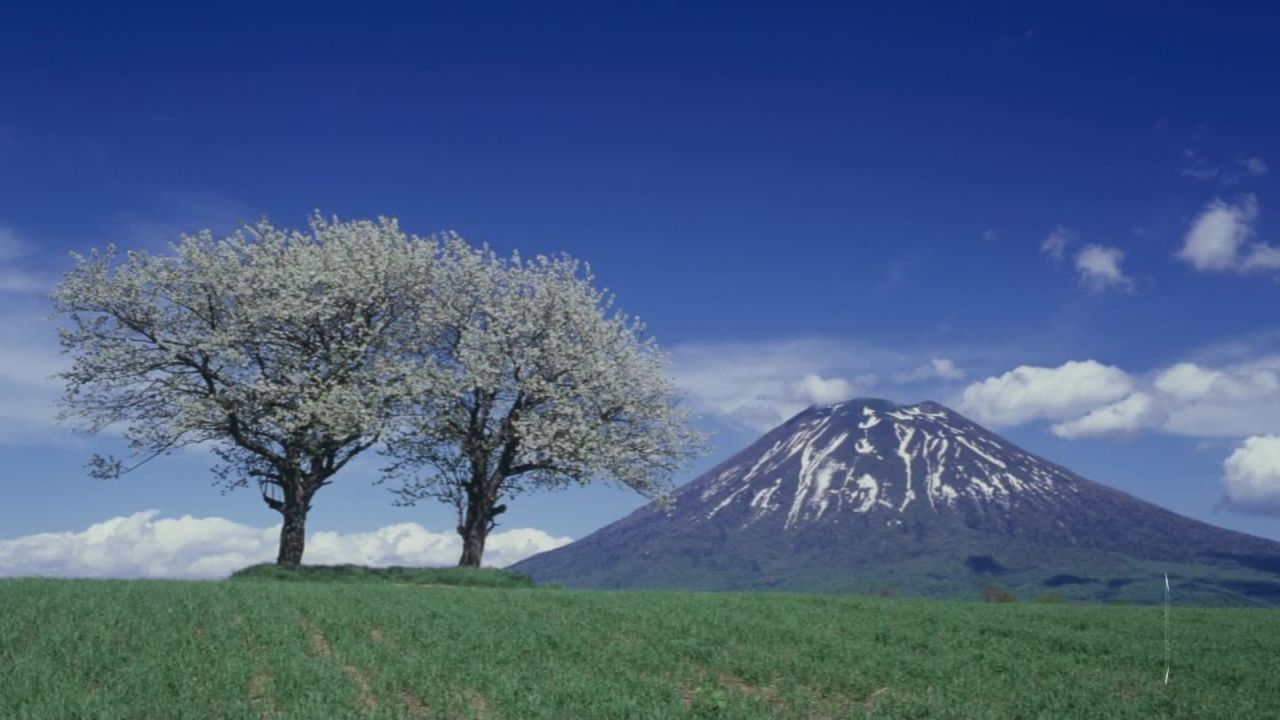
{"x": 478, "y": 520}
{"x": 293, "y": 534}
{"x": 293, "y": 509}
{"x": 473, "y": 537}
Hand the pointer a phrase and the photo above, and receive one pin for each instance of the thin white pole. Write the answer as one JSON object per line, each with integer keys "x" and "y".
{"x": 1166, "y": 628}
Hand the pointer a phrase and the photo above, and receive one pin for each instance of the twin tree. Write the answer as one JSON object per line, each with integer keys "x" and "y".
{"x": 289, "y": 353}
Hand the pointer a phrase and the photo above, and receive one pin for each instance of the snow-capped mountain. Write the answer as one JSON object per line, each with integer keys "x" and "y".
{"x": 869, "y": 458}
{"x": 867, "y": 495}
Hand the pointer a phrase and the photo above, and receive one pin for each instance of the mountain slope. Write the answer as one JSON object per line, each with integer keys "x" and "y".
{"x": 869, "y": 496}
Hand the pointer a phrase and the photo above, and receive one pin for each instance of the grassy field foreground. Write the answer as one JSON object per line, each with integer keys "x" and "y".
{"x": 259, "y": 648}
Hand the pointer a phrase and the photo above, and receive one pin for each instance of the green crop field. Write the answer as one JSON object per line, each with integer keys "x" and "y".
{"x": 262, "y": 648}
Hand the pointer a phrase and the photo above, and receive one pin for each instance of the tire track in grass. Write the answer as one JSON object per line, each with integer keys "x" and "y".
{"x": 415, "y": 706}
{"x": 710, "y": 693}
{"x": 378, "y": 636}
{"x": 366, "y": 700}
{"x": 98, "y": 653}
{"x": 767, "y": 694}
{"x": 412, "y": 703}
{"x": 694, "y": 696}
{"x": 31, "y": 624}
{"x": 262, "y": 696}
{"x": 261, "y": 687}
{"x": 830, "y": 708}
{"x": 478, "y": 704}
{"x": 207, "y": 659}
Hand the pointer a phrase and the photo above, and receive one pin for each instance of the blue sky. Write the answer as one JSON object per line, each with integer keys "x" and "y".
{"x": 803, "y": 203}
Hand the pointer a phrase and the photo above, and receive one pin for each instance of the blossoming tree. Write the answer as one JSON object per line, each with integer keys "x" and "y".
{"x": 538, "y": 383}
{"x": 287, "y": 353}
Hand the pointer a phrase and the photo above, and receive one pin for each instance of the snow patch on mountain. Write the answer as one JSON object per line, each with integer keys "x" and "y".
{"x": 863, "y": 457}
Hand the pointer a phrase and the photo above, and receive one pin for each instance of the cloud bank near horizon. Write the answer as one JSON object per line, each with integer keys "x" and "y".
{"x": 759, "y": 384}
{"x": 146, "y": 545}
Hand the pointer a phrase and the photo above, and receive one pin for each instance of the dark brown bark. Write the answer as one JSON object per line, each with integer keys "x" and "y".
{"x": 293, "y": 534}
{"x": 293, "y": 505}
{"x": 478, "y": 519}
{"x": 473, "y": 537}
{"x": 484, "y": 488}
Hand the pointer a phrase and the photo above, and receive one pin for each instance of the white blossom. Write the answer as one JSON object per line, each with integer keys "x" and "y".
{"x": 538, "y": 382}
{"x": 287, "y": 352}
{"x": 290, "y": 353}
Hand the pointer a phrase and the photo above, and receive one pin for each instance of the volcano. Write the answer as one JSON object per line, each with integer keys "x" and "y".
{"x": 868, "y": 496}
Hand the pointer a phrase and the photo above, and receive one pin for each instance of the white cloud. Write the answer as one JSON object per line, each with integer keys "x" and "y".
{"x": 939, "y": 368}
{"x": 1261, "y": 257}
{"x": 171, "y": 214}
{"x": 29, "y": 357}
{"x": 11, "y": 246}
{"x": 1251, "y": 475}
{"x": 758, "y": 385}
{"x": 1186, "y": 381}
{"x": 1198, "y": 167}
{"x": 946, "y": 369}
{"x": 1215, "y": 237}
{"x": 1128, "y": 415}
{"x": 1055, "y": 245}
{"x": 1029, "y": 393}
{"x": 1229, "y": 401}
{"x": 1219, "y": 239}
{"x": 1099, "y": 269}
{"x": 1200, "y": 173}
{"x": 818, "y": 390}
{"x": 1087, "y": 399}
{"x": 14, "y": 279}
{"x": 1254, "y": 166}
{"x": 990, "y": 235}
{"x": 146, "y": 545}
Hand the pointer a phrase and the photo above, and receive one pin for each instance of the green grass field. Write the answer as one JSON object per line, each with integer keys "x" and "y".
{"x": 261, "y": 648}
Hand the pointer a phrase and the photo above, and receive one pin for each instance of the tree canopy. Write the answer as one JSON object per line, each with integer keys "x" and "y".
{"x": 539, "y": 383}
{"x": 289, "y": 353}
{"x": 286, "y": 352}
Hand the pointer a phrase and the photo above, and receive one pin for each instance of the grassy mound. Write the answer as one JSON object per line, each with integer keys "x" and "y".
{"x": 467, "y": 577}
